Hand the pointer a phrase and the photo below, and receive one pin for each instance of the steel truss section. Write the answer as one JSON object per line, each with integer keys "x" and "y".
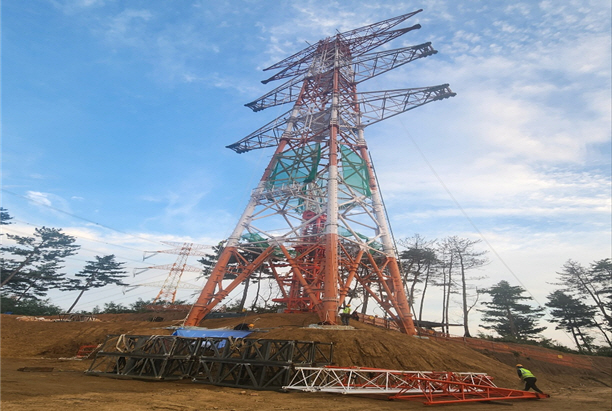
{"x": 447, "y": 391}
{"x": 364, "y": 380}
{"x": 431, "y": 387}
{"x": 146, "y": 357}
{"x": 258, "y": 363}
{"x": 366, "y": 67}
{"x": 366, "y": 33}
{"x": 227, "y": 361}
{"x": 375, "y": 106}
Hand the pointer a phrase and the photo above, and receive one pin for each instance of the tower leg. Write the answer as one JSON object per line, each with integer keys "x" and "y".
{"x": 214, "y": 292}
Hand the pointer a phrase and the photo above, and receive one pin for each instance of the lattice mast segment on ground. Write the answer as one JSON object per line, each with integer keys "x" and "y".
{"x": 316, "y": 220}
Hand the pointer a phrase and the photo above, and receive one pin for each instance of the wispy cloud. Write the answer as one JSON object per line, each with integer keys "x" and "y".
{"x": 176, "y": 50}
{"x": 39, "y": 198}
{"x": 72, "y": 7}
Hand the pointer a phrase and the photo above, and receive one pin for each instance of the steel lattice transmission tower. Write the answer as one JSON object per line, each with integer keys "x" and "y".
{"x": 168, "y": 291}
{"x": 316, "y": 220}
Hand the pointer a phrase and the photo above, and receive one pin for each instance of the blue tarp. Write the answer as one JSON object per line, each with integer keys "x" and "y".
{"x": 186, "y": 332}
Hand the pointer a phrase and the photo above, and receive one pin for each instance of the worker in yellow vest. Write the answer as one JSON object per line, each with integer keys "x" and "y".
{"x": 345, "y": 315}
{"x": 528, "y": 377}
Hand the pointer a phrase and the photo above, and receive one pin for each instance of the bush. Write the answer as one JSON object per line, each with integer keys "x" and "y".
{"x": 604, "y": 351}
{"x": 112, "y": 308}
{"x": 29, "y": 306}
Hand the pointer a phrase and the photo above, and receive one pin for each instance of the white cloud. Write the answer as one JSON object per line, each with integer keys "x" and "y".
{"x": 39, "y": 197}
{"x": 127, "y": 27}
{"x": 71, "y": 7}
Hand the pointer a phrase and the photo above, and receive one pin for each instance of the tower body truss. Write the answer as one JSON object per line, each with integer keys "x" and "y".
{"x": 316, "y": 221}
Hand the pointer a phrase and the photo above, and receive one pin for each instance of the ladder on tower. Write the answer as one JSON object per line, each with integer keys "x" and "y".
{"x": 430, "y": 387}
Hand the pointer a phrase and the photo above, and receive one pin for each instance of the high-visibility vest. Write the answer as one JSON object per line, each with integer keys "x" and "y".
{"x": 525, "y": 373}
{"x": 346, "y": 310}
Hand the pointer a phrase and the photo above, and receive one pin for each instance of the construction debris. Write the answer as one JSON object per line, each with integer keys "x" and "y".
{"x": 76, "y": 317}
{"x": 32, "y": 318}
{"x": 35, "y": 369}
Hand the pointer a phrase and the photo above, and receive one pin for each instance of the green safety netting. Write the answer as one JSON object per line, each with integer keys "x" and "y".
{"x": 355, "y": 173}
{"x": 300, "y": 165}
{"x": 296, "y": 165}
{"x": 260, "y": 242}
{"x": 256, "y": 239}
{"x": 344, "y": 232}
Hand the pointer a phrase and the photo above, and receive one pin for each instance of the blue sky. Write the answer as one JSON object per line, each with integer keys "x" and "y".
{"x": 116, "y": 116}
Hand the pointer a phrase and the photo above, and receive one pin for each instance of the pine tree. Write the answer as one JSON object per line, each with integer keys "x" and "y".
{"x": 572, "y": 315}
{"x": 417, "y": 262}
{"x": 593, "y": 285}
{"x": 457, "y": 257}
{"x": 508, "y": 316}
{"x": 96, "y": 274}
{"x": 5, "y": 217}
{"x": 600, "y": 276}
{"x": 32, "y": 265}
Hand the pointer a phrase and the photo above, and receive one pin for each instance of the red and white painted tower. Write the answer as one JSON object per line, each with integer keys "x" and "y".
{"x": 316, "y": 220}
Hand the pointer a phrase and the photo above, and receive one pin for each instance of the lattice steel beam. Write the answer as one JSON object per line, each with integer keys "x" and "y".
{"x": 372, "y": 29}
{"x": 364, "y": 68}
{"x": 430, "y": 387}
{"x": 240, "y": 362}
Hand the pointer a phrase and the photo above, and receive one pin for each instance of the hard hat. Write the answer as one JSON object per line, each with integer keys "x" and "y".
{"x": 250, "y": 325}
{"x": 518, "y": 365}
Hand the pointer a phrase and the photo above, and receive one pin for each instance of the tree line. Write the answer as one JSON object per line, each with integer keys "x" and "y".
{"x": 580, "y": 304}
{"x": 33, "y": 265}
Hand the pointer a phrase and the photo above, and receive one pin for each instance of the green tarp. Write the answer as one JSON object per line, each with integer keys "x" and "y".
{"x": 296, "y": 165}
{"x": 355, "y": 173}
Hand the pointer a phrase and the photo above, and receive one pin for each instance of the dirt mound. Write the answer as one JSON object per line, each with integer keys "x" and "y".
{"x": 370, "y": 346}
{"x": 363, "y": 345}
{"x": 23, "y": 339}
{"x": 51, "y": 346}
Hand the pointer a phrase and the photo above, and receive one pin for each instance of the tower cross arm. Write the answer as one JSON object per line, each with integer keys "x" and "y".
{"x": 265, "y": 137}
{"x": 199, "y": 252}
{"x": 378, "y": 27}
{"x": 296, "y": 59}
{"x": 357, "y": 46}
{"x": 181, "y": 248}
{"x": 369, "y": 30}
{"x": 170, "y": 267}
{"x": 288, "y": 92}
{"x": 189, "y": 245}
{"x": 365, "y": 67}
{"x": 377, "y": 106}
{"x": 181, "y": 284}
{"x": 374, "y": 64}
{"x": 364, "y": 44}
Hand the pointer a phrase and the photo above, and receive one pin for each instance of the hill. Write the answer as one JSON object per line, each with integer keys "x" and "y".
{"x": 53, "y": 344}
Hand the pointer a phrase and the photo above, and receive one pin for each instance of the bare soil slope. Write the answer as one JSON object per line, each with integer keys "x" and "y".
{"x": 53, "y": 344}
